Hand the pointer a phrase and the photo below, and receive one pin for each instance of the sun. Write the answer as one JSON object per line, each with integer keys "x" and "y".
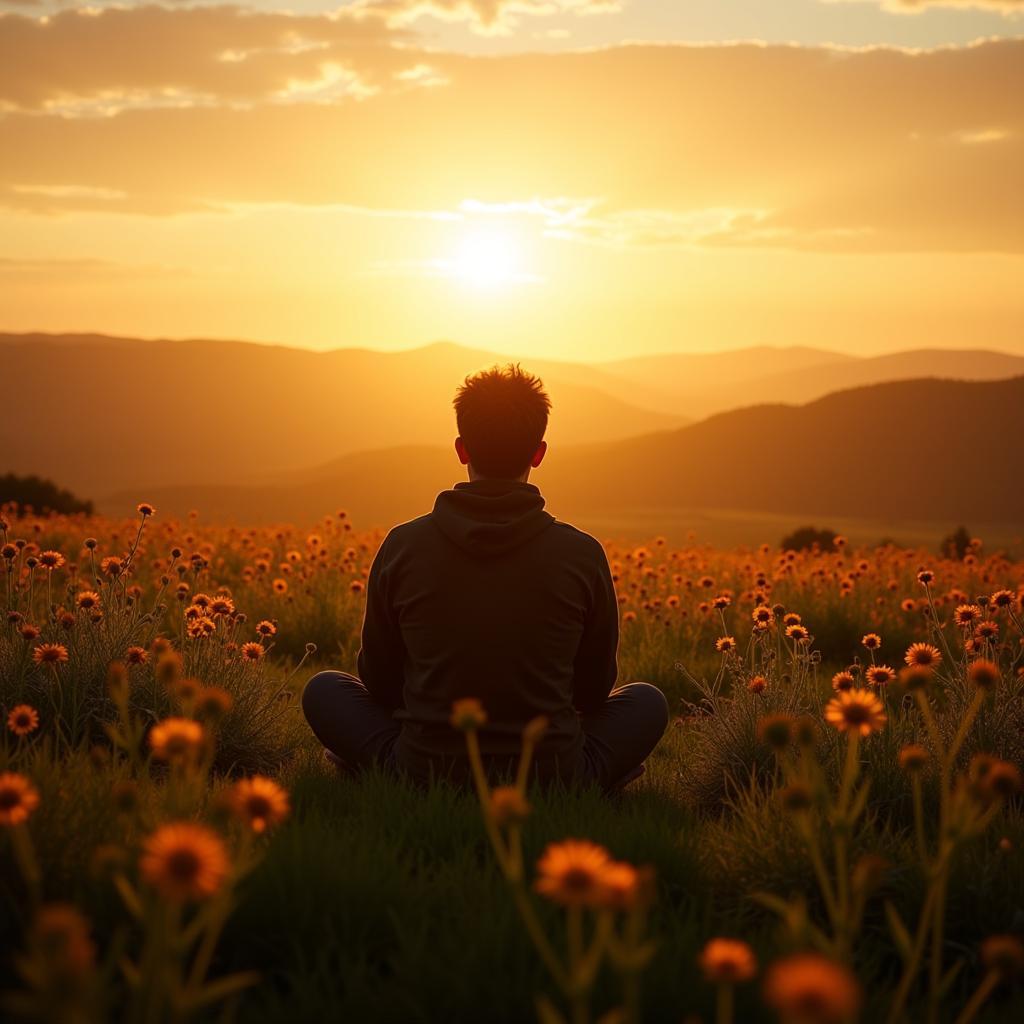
{"x": 488, "y": 257}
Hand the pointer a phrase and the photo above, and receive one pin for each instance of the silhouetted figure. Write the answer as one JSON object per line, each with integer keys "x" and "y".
{"x": 489, "y": 596}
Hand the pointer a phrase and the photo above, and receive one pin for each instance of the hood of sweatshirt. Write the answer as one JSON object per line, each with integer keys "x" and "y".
{"x": 491, "y": 517}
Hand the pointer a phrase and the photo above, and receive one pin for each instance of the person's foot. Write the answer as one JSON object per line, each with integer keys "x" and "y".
{"x": 629, "y": 777}
{"x": 342, "y": 767}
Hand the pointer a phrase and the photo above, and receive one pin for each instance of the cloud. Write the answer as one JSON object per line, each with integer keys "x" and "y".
{"x": 717, "y": 145}
{"x": 488, "y": 15}
{"x": 918, "y": 6}
{"x": 99, "y": 61}
{"x": 93, "y": 270}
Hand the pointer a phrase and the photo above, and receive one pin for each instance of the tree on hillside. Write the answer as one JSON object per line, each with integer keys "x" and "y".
{"x": 33, "y": 492}
{"x": 956, "y": 544}
{"x": 809, "y": 537}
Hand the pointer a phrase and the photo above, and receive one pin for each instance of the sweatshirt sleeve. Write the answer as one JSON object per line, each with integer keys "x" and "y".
{"x": 595, "y": 669}
{"x": 381, "y": 653}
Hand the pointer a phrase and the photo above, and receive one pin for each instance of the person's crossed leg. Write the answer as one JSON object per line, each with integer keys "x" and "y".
{"x": 359, "y": 732}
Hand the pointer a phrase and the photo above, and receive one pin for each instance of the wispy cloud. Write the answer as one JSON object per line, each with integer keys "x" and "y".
{"x": 712, "y": 145}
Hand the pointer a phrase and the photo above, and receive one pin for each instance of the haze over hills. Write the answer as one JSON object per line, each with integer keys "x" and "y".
{"x": 123, "y": 413}
{"x": 234, "y": 427}
{"x": 919, "y": 451}
{"x": 710, "y": 382}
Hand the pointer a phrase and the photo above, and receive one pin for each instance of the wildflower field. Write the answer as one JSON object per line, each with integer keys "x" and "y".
{"x": 831, "y": 830}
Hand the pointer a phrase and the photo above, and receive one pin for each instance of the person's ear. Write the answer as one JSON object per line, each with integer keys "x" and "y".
{"x": 460, "y": 450}
{"x": 538, "y": 455}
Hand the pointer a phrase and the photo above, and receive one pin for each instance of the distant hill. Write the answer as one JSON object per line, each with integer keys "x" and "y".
{"x": 705, "y": 384}
{"x": 101, "y": 414}
{"x": 105, "y": 415}
{"x": 929, "y": 451}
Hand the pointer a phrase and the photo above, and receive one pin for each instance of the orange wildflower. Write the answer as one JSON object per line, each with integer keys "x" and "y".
{"x": 983, "y": 674}
{"x": 259, "y": 802}
{"x": 922, "y": 656}
{"x": 60, "y": 934}
{"x": 508, "y": 806}
{"x": 18, "y": 798}
{"x": 253, "y": 651}
{"x": 727, "y": 962}
{"x": 859, "y": 711}
{"x": 49, "y": 654}
{"x": 174, "y": 739}
{"x": 184, "y": 861}
{"x": 879, "y": 675}
{"x": 468, "y": 714}
{"x": 809, "y": 989}
{"x": 23, "y": 719}
{"x": 571, "y": 872}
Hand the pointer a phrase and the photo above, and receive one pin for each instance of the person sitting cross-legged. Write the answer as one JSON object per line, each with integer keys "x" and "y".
{"x": 489, "y": 596}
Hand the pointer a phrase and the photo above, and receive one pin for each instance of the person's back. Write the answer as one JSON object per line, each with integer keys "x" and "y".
{"x": 488, "y": 596}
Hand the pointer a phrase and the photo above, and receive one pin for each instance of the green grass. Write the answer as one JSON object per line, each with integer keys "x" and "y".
{"x": 380, "y": 901}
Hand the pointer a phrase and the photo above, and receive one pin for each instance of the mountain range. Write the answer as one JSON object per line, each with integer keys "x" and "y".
{"x": 915, "y": 452}
{"x": 265, "y": 433}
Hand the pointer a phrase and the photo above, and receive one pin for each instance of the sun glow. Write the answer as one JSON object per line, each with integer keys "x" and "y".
{"x": 489, "y": 257}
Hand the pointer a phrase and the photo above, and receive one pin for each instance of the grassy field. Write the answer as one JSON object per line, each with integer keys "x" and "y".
{"x": 165, "y": 682}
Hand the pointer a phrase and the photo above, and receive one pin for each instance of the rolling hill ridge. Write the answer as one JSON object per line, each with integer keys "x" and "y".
{"x": 922, "y": 450}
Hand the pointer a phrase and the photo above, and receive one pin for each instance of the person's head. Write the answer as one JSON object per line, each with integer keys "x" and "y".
{"x": 502, "y": 414}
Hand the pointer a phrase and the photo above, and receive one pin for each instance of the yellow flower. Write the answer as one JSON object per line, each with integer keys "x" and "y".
{"x": 727, "y": 961}
{"x": 174, "y": 739}
{"x": 912, "y": 758}
{"x": 571, "y": 872}
{"x": 622, "y": 886}
{"x": 842, "y": 681}
{"x": 1003, "y": 954}
{"x": 508, "y": 806}
{"x": 253, "y": 651}
{"x": 856, "y": 710}
{"x": 468, "y": 714}
{"x": 60, "y": 935}
{"x": 22, "y": 720}
{"x": 259, "y": 802}
{"x": 212, "y": 703}
{"x": 776, "y": 730}
{"x": 51, "y": 560}
{"x": 983, "y": 674}
{"x": 808, "y": 989}
{"x": 18, "y": 798}
{"x": 49, "y": 654}
{"x": 184, "y": 861}
{"x": 966, "y": 614}
{"x": 879, "y": 675}
{"x": 922, "y": 656}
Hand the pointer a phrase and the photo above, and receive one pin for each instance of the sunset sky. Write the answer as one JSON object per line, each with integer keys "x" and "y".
{"x": 576, "y": 178}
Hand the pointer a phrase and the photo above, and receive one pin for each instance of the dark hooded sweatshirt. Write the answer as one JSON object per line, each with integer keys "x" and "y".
{"x": 489, "y": 596}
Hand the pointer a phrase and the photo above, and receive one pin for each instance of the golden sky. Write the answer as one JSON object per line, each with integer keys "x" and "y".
{"x": 577, "y": 178}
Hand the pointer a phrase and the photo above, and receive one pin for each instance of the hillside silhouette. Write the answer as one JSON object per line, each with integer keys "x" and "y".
{"x": 126, "y": 413}
{"x": 709, "y": 383}
{"x": 925, "y": 450}
{"x": 122, "y": 414}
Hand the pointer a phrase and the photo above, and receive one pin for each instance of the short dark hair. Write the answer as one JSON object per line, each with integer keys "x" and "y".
{"x": 502, "y": 414}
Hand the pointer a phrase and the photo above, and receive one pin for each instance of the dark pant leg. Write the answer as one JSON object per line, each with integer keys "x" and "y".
{"x": 619, "y": 736}
{"x": 347, "y": 721}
